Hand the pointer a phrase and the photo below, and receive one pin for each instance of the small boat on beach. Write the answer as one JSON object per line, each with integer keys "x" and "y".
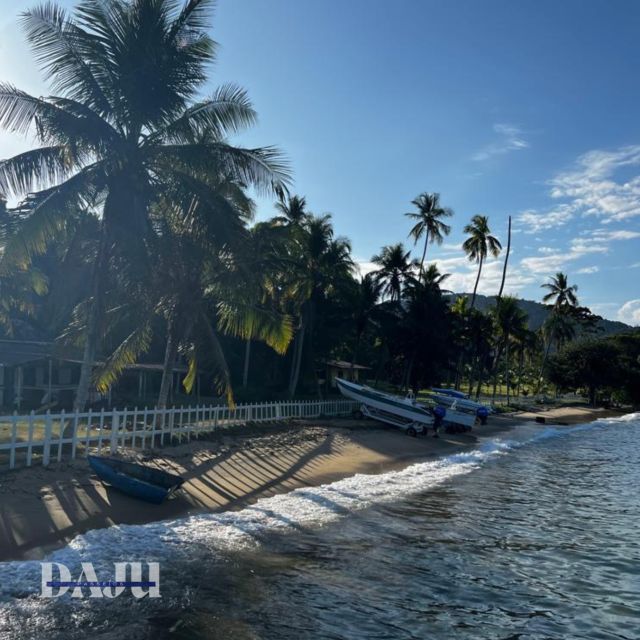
{"x": 136, "y": 480}
{"x": 405, "y": 412}
{"x": 458, "y": 401}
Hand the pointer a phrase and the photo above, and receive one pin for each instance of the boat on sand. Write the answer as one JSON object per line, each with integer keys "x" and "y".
{"x": 136, "y": 480}
{"x": 403, "y": 412}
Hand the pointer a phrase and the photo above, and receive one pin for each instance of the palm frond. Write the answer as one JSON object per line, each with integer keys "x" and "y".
{"x": 46, "y": 213}
{"x": 226, "y": 112}
{"x": 219, "y": 366}
{"x": 57, "y": 44}
{"x": 127, "y": 352}
{"x": 263, "y": 168}
{"x": 34, "y": 170}
{"x": 252, "y": 322}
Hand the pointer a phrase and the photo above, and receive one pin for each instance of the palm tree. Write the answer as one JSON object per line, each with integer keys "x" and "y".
{"x": 433, "y": 279}
{"x": 563, "y": 301}
{"x": 429, "y": 223}
{"x": 292, "y": 209}
{"x": 560, "y": 293}
{"x": 201, "y": 290}
{"x": 319, "y": 263}
{"x": 366, "y": 305}
{"x": 510, "y": 320}
{"x": 126, "y": 121}
{"x": 478, "y": 245}
{"x": 396, "y": 269}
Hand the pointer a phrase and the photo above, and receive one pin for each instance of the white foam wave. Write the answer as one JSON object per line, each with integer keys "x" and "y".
{"x": 185, "y": 539}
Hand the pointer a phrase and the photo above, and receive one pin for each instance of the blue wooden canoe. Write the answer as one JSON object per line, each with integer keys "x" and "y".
{"x": 136, "y": 480}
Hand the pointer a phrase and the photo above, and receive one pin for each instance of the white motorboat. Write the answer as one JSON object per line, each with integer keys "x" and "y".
{"x": 459, "y": 401}
{"x": 403, "y": 412}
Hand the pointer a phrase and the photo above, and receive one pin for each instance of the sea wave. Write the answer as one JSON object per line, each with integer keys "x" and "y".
{"x": 207, "y": 535}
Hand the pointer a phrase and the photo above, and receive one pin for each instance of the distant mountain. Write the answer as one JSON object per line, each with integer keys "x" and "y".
{"x": 538, "y": 313}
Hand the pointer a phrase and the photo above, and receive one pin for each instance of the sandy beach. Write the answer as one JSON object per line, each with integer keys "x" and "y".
{"x": 45, "y": 507}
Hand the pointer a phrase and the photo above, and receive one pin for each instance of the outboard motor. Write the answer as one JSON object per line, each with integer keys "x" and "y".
{"x": 483, "y": 414}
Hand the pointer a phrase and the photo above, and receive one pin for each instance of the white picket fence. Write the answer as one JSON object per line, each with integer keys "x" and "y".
{"x": 41, "y": 438}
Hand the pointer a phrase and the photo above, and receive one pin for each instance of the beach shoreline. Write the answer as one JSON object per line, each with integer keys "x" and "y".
{"x": 43, "y": 508}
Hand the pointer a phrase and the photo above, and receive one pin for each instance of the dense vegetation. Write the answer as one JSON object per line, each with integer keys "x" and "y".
{"x": 133, "y": 236}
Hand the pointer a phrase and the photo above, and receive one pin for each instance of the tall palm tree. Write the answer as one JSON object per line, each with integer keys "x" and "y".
{"x": 319, "y": 263}
{"x": 366, "y": 305}
{"x": 429, "y": 222}
{"x": 563, "y": 300}
{"x": 126, "y": 120}
{"x": 561, "y": 294}
{"x": 396, "y": 269}
{"x": 478, "y": 245}
{"x": 510, "y": 320}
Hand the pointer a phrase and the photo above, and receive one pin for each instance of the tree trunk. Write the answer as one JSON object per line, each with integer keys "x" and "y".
{"x": 544, "y": 362}
{"x": 520, "y": 371}
{"x": 424, "y": 253}
{"x": 170, "y": 353}
{"x": 356, "y": 349}
{"x": 475, "y": 288}
{"x": 92, "y": 330}
{"x": 506, "y": 372}
{"x": 247, "y": 358}
{"x": 297, "y": 359}
{"x": 506, "y": 260}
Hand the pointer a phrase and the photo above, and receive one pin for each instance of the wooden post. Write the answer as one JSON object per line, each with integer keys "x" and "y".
{"x": 30, "y": 439}
{"x": 46, "y": 447}
{"x": 115, "y": 424}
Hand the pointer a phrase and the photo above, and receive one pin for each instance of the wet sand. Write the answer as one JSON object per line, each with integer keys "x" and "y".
{"x": 42, "y": 508}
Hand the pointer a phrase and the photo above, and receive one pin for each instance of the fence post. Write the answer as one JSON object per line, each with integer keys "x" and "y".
{"x": 115, "y": 425}
{"x": 74, "y": 439}
{"x": 61, "y": 434}
{"x": 46, "y": 447}
{"x": 14, "y": 435}
{"x": 30, "y": 439}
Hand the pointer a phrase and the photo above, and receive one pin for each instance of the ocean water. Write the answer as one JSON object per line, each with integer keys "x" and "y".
{"x": 531, "y": 536}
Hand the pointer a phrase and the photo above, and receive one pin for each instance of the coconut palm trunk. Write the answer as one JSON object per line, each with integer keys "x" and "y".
{"x": 296, "y": 362}
{"x": 544, "y": 362}
{"x": 170, "y": 353}
{"x": 475, "y": 288}
{"x": 506, "y": 261}
{"x": 424, "y": 253}
{"x": 92, "y": 331}
{"x": 247, "y": 358}
{"x": 506, "y": 370}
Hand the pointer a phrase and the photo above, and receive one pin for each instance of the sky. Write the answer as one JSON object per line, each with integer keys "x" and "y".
{"x": 528, "y": 109}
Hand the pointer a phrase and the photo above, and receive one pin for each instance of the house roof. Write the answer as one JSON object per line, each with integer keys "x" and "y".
{"x": 343, "y": 364}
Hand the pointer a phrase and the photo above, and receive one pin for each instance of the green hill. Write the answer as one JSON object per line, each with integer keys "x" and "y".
{"x": 538, "y": 313}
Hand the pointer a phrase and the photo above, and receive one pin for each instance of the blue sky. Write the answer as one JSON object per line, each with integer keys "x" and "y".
{"x": 523, "y": 108}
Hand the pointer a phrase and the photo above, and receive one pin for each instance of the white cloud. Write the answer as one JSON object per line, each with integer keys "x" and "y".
{"x": 590, "y": 242}
{"x": 594, "y": 189}
{"x": 535, "y": 221}
{"x": 365, "y": 266}
{"x": 509, "y": 139}
{"x": 464, "y": 273}
{"x": 603, "y": 308}
{"x": 585, "y": 270}
{"x": 621, "y": 234}
{"x": 629, "y": 312}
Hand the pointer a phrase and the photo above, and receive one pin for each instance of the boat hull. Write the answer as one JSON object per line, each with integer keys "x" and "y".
{"x": 137, "y": 481}
{"x": 394, "y": 405}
